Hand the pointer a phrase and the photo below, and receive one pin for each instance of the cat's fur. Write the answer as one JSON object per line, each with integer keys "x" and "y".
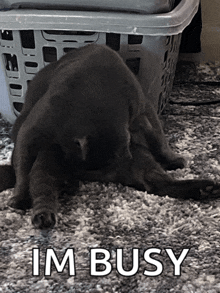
{"x": 85, "y": 117}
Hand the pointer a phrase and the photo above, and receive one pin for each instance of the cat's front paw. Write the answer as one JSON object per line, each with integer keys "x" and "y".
{"x": 21, "y": 204}
{"x": 176, "y": 163}
{"x": 44, "y": 220}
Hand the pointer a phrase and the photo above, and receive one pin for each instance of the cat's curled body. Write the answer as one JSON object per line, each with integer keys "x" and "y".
{"x": 85, "y": 117}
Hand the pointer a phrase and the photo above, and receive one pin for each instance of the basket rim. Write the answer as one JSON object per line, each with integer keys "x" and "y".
{"x": 164, "y": 24}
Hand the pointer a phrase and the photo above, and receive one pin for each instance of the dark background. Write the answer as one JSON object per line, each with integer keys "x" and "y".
{"x": 191, "y": 42}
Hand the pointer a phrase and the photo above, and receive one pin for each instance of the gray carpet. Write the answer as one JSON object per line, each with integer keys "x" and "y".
{"x": 113, "y": 217}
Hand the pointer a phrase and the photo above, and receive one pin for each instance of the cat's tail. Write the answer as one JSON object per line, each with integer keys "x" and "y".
{"x": 7, "y": 177}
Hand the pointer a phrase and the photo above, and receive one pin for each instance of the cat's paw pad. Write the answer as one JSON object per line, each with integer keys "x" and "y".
{"x": 44, "y": 220}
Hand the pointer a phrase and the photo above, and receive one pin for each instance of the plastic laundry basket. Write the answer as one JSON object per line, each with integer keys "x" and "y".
{"x": 149, "y": 45}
